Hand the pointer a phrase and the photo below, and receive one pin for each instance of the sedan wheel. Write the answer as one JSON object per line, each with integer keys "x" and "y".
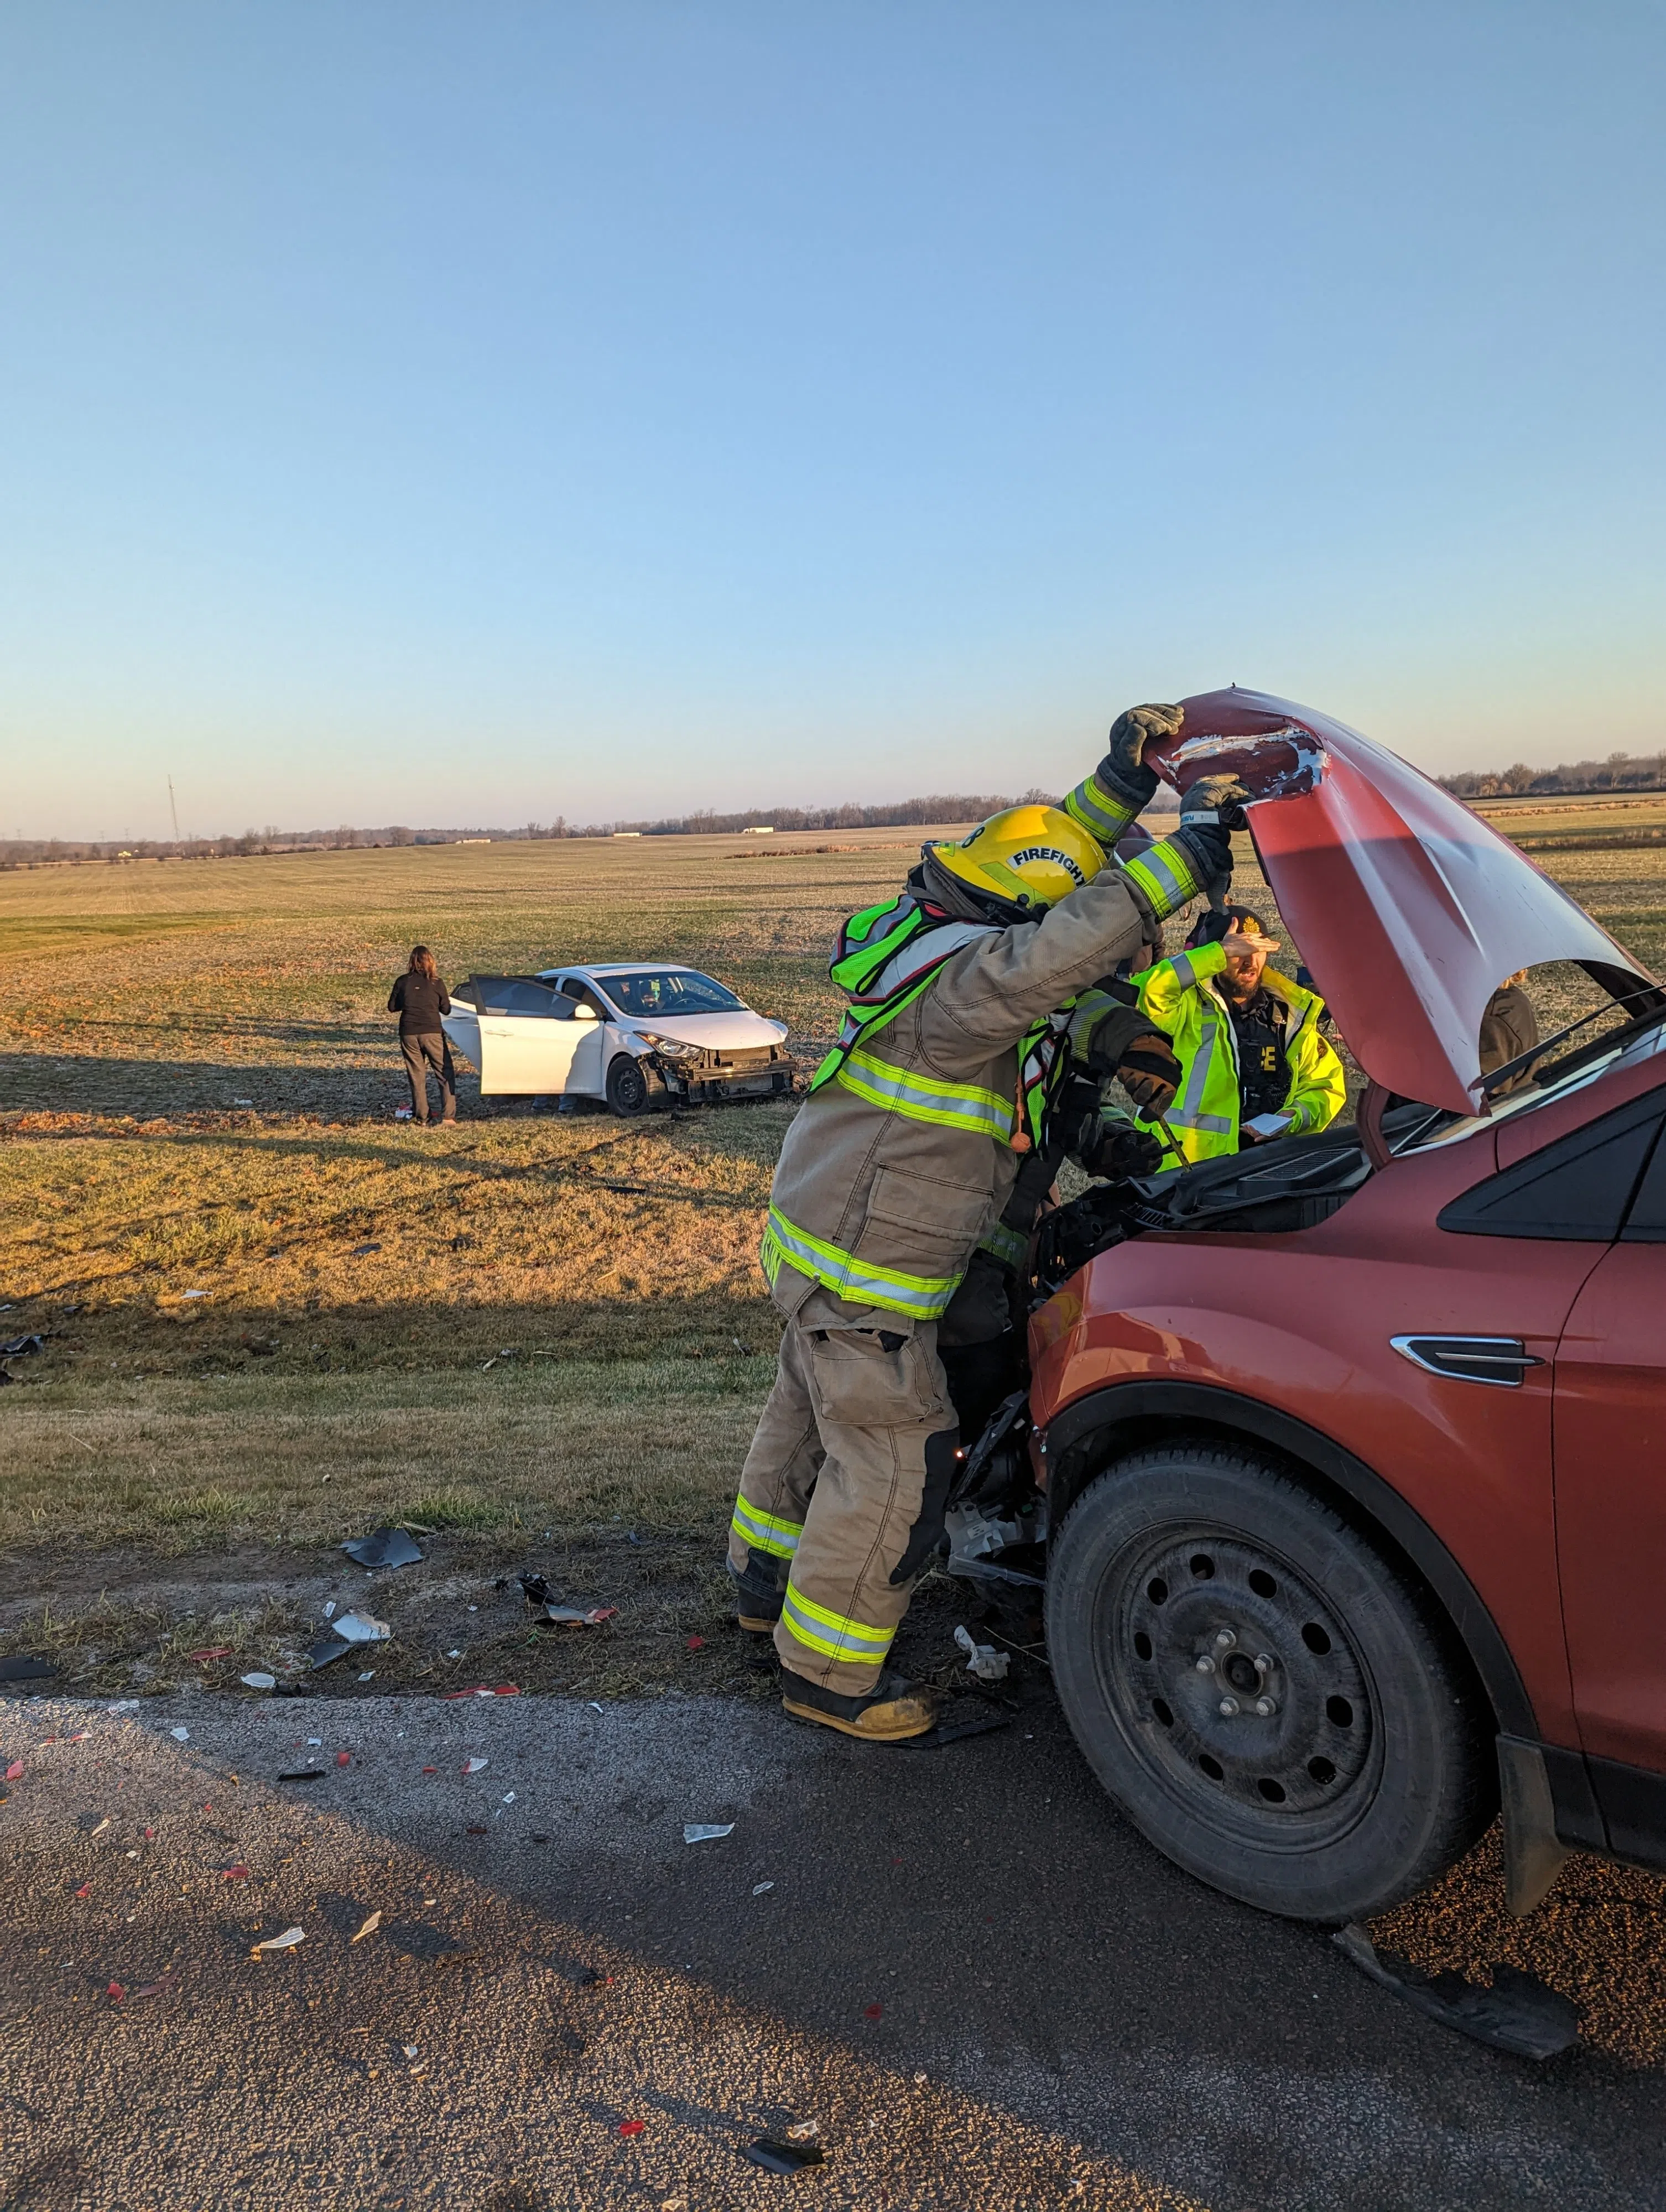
{"x": 1267, "y": 1698}
{"x": 628, "y": 1090}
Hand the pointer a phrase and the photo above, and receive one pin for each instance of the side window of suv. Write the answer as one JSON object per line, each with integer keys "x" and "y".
{"x": 1578, "y": 1188}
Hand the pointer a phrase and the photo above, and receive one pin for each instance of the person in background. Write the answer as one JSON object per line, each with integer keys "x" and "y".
{"x": 1509, "y": 1028}
{"x": 419, "y": 999}
{"x": 1254, "y": 1065}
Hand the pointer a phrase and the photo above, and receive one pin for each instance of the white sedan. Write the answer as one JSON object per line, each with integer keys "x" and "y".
{"x": 637, "y": 1036}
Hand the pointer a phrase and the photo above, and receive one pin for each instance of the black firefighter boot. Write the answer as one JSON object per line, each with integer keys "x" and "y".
{"x": 757, "y": 1595}
{"x": 892, "y": 1714}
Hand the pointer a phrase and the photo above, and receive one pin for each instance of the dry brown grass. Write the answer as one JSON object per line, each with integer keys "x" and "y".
{"x": 521, "y": 1346}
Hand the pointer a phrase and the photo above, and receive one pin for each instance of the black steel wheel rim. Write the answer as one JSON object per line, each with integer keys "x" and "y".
{"x": 1276, "y": 1738}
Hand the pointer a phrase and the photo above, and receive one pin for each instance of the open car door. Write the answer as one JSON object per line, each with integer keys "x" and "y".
{"x": 530, "y": 1035}
{"x": 1408, "y": 908}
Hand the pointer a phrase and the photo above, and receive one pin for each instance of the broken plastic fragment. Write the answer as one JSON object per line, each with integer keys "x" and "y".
{"x": 569, "y": 1616}
{"x": 982, "y": 1659}
{"x": 302, "y": 1774}
{"x": 476, "y": 1765}
{"x": 632, "y": 2127}
{"x": 18, "y": 1667}
{"x": 213, "y": 1652}
{"x": 783, "y": 2157}
{"x": 14, "y": 1771}
{"x": 180, "y": 1735}
{"x": 234, "y": 1874}
{"x": 86, "y": 1889}
{"x": 363, "y": 1628}
{"x": 699, "y": 1832}
{"x": 510, "y": 1798}
{"x": 759, "y": 1887}
{"x": 329, "y": 1610}
{"x": 1519, "y": 2015}
{"x": 369, "y": 1927}
{"x": 344, "y": 1758}
{"x": 327, "y": 1653}
{"x": 286, "y": 1941}
{"x": 258, "y": 1680}
{"x": 92, "y": 1823}
{"x": 384, "y": 1547}
{"x": 369, "y": 1675}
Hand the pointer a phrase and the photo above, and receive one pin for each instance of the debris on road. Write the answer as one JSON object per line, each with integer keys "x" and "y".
{"x": 211, "y": 1652}
{"x": 503, "y": 1690}
{"x": 569, "y": 1616}
{"x": 1519, "y": 2014}
{"x": 384, "y": 1547}
{"x": 92, "y": 1823}
{"x": 239, "y": 1872}
{"x": 18, "y": 1667}
{"x": 965, "y": 1717}
{"x": 302, "y": 1774}
{"x": 982, "y": 1659}
{"x": 759, "y": 1887}
{"x": 369, "y": 1675}
{"x": 327, "y": 1653}
{"x": 344, "y": 1758}
{"x": 286, "y": 1941}
{"x": 789, "y": 2154}
{"x": 180, "y": 1735}
{"x": 14, "y": 1771}
{"x": 632, "y": 2127}
{"x": 476, "y": 1765}
{"x": 20, "y": 1347}
{"x": 698, "y": 1832}
{"x": 330, "y": 1610}
{"x": 363, "y": 1628}
{"x": 369, "y": 1927}
{"x": 258, "y": 1680}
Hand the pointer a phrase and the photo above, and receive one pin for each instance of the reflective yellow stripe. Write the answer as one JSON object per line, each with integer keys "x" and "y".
{"x": 950, "y": 1105}
{"x": 1009, "y": 1245}
{"x": 848, "y": 1277}
{"x": 1163, "y": 875}
{"x": 765, "y": 1532}
{"x": 1103, "y": 818}
{"x": 834, "y": 1635}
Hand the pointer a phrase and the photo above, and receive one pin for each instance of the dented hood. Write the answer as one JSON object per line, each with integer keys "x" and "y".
{"x": 1409, "y": 910}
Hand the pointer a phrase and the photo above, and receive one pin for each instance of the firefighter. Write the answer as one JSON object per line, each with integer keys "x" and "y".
{"x": 900, "y": 1159}
{"x": 1254, "y": 1062}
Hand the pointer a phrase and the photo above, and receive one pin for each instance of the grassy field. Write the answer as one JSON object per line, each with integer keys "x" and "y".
{"x": 274, "y": 1316}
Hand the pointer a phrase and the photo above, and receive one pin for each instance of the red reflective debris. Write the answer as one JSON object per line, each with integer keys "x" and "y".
{"x": 86, "y": 1889}
{"x": 14, "y": 1771}
{"x": 474, "y": 1832}
{"x": 697, "y": 1642}
{"x": 115, "y": 1993}
{"x": 234, "y": 1874}
{"x": 344, "y": 1758}
{"x": 872, "y": 2011}
{"x": 632, "y": 2127}
{"x": 213, "y": 1652}
{"x": 431, "y": 1770}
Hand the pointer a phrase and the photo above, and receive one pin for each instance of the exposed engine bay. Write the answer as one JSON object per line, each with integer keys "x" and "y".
{"x": 997, "y": 1517}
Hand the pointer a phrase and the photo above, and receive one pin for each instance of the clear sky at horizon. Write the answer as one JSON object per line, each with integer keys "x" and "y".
{"x": 439, "y": 414}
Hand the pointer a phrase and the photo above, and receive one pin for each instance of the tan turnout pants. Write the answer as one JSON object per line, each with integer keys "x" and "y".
{"x": 855, "y": 1443}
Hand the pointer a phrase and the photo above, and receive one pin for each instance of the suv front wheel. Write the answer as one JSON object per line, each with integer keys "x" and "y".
{"x": 1270, "y": 1701}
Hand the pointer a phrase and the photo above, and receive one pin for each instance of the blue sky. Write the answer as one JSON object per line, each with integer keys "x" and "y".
{"x": 444, "y": 414}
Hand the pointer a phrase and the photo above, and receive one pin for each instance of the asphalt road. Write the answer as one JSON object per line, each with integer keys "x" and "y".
{"x": 984, "y": 1988}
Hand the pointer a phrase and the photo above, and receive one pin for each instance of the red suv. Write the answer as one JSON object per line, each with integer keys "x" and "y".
{"x": 1349, "y": 1453}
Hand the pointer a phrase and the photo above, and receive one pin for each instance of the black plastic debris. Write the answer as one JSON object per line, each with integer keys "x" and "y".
{"x": 777, "y": 2157}
{"x": 539, "y": 1591}
{"x": 302, "y": 1774}
{"x": 1519, "y": 2015}
{"x": 18, "y": 1668}
{"x": 21, "y": 1346}
{"x": 384, "y": 1547}
{"x": 964, "y": 1716}
{"x": 327, "y": 1653}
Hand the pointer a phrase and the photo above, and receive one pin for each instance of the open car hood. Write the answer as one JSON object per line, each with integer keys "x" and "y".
{"x": 1409, "y": 910}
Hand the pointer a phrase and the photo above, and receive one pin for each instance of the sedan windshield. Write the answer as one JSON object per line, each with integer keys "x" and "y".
{"x": 667, "y": 991}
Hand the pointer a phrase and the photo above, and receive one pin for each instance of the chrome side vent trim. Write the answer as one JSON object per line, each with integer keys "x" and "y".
{"x": 1503, "y": 1361}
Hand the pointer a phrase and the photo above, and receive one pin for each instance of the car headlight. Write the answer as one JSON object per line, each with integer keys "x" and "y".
{"x": 672, "y": 1047}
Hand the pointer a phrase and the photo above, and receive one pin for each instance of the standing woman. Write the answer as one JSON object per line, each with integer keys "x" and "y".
{"x": 419, "y": 999}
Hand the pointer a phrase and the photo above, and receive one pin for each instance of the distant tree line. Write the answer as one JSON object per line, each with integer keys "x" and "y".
{"x": 938, "y": 806}
{"x": 1618, "y": 772}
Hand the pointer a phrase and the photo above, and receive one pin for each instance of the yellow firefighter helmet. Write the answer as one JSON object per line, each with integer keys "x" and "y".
{"x": 1029, "y": 856}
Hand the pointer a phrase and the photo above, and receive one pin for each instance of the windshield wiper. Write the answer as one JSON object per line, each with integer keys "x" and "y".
{"x": 1637, "y": 1023}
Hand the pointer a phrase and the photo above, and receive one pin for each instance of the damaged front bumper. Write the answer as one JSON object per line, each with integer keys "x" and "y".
{"x": 703, "y": 1079}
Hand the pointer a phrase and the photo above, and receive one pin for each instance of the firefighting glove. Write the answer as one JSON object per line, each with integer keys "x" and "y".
{"x": 1197, "y": 857}
{"x": 1118, "y": 1151}
{"x": 1122, "y": 776}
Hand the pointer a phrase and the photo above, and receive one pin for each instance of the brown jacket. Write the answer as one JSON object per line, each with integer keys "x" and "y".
{"x": 901, "y": 1194}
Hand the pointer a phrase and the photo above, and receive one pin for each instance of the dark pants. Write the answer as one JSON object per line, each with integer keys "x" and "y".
{"x": 423, "y": 1053}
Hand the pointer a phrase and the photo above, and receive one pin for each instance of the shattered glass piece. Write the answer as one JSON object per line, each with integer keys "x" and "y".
{"x": 1519, "y": 2014}
{"x": 286, "y": 1941}
{"x": 701, "y": 1831}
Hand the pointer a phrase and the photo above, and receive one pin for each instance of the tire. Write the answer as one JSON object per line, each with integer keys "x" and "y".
{"x": 630, "y": 1087}
{"x": 1372, "y": 1771}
